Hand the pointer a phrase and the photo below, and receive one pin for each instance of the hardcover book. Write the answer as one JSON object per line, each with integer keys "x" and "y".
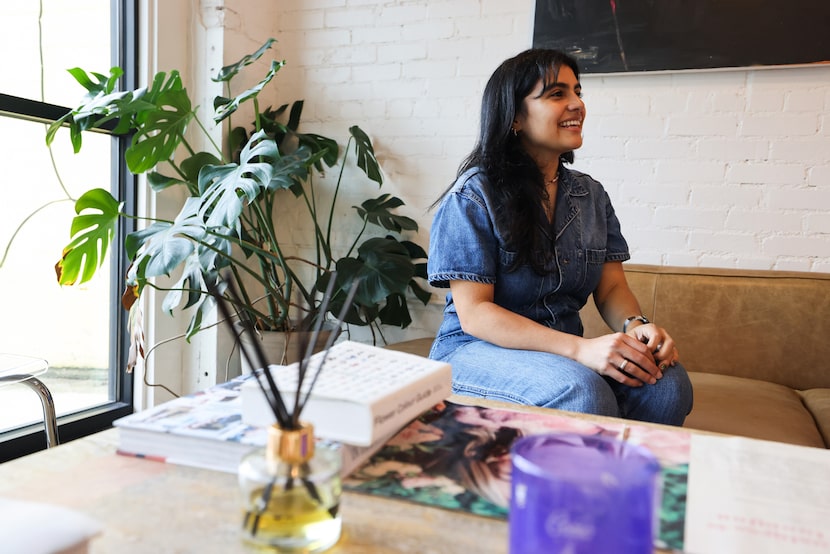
{"x": 365, "y": 393}
{"x": 457, "y": 457}
{"x": 205, "y": 429}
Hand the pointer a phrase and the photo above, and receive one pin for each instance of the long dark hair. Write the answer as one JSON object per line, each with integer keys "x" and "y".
{"x": 512, "y": 178}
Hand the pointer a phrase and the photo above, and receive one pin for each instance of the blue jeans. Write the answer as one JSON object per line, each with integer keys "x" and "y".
{"x": 534, "y": 378}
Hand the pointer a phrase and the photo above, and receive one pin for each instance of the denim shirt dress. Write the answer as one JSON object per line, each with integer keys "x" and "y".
{"x": 465, "y": 244}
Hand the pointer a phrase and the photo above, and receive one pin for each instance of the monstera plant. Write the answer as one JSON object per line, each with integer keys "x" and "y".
{"x": 227, "y": 228}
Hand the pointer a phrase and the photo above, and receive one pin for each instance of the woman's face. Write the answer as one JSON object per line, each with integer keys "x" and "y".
{"x": 550, "y": 121}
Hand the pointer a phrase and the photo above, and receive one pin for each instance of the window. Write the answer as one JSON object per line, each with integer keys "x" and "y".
{"x": 81, "y": 331}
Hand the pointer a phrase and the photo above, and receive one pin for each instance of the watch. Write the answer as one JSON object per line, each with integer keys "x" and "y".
{"x": 628, "y": 320}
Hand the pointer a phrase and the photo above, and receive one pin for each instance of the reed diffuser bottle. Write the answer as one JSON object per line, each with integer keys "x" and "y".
{"x": 291, "y": 492}
{"x": 291, "y": 488}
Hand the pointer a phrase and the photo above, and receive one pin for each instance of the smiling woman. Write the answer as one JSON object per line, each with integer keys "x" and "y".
{"x": 549, "y": 122}
{"x": 522, "y": 241}
{"x": 78, "y": 332}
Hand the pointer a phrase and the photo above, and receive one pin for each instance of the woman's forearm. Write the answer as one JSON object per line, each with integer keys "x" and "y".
{"x": 614, "y": 299}
{"x": 486, "y": 320}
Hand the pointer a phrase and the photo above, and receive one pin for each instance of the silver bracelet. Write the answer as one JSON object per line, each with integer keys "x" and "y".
{"x": 628, "y": 320}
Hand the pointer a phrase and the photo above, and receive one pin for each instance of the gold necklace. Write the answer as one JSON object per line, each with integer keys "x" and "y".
{"x": 550, "y": 199}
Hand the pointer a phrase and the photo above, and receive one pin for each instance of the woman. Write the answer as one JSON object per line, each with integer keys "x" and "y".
{"x": 521, "y": 241}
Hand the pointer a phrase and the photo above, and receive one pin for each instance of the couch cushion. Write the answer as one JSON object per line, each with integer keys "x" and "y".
{"x": 818, "y": 402}
{"x": 752, "y": 408}
{"x": 766, "y": 325}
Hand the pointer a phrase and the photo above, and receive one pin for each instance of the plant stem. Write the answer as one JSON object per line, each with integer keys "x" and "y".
{"x": 23, "y": 223}
{"x": 257, "y": 117}
{"x": 248, "y": 308}
{"x": 357, "y": 238}
{"x": 183, "y": 176}
{"x": 183, "y": 141}
{"x": 337, "y": 189}
{"x": 319, "y": 242}
{"x": 276, "y": 302}
{"x": 210, "y": 138}
{"x": 240, "y": 285}
{"x": 277, "y": 307}
{"x": 58, "y": 174}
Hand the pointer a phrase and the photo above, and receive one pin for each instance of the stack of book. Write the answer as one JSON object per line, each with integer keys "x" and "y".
{"x": 362, "y": 398}
{"x": 363, "y": 394}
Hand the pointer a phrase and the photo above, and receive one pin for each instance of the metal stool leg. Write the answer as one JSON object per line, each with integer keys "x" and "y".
{"x": 49, "y": 419}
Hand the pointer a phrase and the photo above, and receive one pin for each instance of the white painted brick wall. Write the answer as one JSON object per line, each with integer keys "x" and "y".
{"x": 724, "y": 168}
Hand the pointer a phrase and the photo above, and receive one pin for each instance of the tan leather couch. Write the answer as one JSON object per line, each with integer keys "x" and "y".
{"x": 756, "y": 344}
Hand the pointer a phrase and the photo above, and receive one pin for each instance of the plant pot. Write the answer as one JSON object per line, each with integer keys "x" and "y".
{"x": 281, "y": 348}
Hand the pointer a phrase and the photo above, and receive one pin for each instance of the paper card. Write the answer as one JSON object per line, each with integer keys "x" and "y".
{"x": 755, "y": 496}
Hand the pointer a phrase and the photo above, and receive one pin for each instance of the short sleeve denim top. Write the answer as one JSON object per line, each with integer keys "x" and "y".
{"x": 465, "y": 244}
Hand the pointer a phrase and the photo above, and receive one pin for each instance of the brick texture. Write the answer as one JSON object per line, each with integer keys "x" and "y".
{"x": 726, "y": 168}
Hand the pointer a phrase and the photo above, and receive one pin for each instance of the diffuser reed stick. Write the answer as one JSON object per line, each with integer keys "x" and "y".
{"x": 289, "y": 427}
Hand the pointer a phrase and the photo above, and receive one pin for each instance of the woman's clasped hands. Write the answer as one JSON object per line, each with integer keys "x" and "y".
{"x": 636, "y": 358}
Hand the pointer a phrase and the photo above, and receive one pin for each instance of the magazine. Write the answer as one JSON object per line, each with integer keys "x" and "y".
{"x": 205, "y": 429}
{"x": 457, "y": 457}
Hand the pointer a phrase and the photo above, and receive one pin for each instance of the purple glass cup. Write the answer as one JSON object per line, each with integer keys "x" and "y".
{"x": 580, "y": 494}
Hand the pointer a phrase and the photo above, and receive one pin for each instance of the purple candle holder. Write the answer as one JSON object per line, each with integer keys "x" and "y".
{"x": 580, "y": 494}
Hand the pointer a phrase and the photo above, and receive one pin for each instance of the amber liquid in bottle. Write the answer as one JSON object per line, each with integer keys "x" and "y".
{"x": 291, "y": 505}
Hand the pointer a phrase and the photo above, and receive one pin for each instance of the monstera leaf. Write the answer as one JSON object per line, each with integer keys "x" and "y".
{"x": 103, "y": 103}
{"x": 387, "y": 267}
{"x": 395, "y": 311}
{"x": 230, "y": 71}
{"x": 192, "y": 279}
{"x": 161, "y": 247}
{"x": 383, "y": 267}
{"x": 188, "y": 173}
{"x": 365, "y": 152}
{"x": 226, "y": 106}
{"x": 98, "y": 97}
{"x": 379, "y": 212}
{"x": 224, "y": 187}
{"x": 102, "y": 84}
{"x": 92, "y": 232}
{"x": 292, "y": 169}
{"x": 197, "y": 275}
{"x": 416, "y": 252}
{"x": 161, "y": 133}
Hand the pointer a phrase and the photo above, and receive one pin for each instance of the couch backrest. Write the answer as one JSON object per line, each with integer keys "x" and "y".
{"x": 769, "y": 325}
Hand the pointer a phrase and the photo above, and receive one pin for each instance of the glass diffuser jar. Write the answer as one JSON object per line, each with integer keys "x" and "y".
{"x": 291, "y": 492}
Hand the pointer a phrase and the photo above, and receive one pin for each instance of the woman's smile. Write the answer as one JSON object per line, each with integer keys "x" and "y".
{"x": 572, "y": 123}
{"x": 550, "y": 121}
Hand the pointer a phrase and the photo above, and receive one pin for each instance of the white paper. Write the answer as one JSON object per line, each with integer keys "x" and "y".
{"x": 36, "y": 528}
{"x": 752, "y": 496}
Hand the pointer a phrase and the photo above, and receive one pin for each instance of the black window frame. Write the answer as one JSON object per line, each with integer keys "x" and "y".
{"x": 32, "y": 438}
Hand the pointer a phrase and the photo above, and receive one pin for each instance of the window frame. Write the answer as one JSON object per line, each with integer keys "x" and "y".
{"x": 31, "y": 438}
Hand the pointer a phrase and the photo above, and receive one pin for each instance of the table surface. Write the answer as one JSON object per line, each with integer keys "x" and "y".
{"x": 148, "y": 506}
